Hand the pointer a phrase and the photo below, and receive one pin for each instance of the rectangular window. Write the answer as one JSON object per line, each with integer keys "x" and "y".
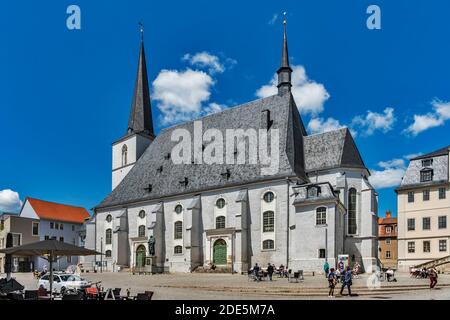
{"x": 442, "y": 193}
{"x": 61, "y": 226}
{"x": 411, "y": 247}
{"x": 268, "y": 221}
{"x": 442, "y": 222}
{"x": 426, "y": 246}
{"x": 69, "y": 259}
{"x": 16, "y": 239}
{"x": 35, "y": 228}
{"x": 73, "y": 241}
{"x": 388, "y": 229}
{"x": 411, "y": 196}
{"x": 442, "y": 245}
{"x": 73, "y": 228}
{"x": 61, "y": 239}
{"x": 426, "y": 175}
{"x": 52, "y": 225}
{"x": 411, "y": 224}
{"x": 388, "y": 241}
{"x": 388, "y": 254}
{"x": 426, "y": 223}
{"x": 321, "y": 216}
{"x": 56, "y": 225}
{"x": 46, "y": 238}
{"x": 322, "y": 253}
{"x": 426, "y": 195}
{"x": 178, "y": 230}
{"x": 427, "y": 162}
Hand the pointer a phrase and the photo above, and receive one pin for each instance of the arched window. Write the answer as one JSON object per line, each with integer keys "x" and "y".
{"x": 268, "y": 244}
{"x": 352, "y": 211}
{"x": 178, "y": 230}
{"x": 109, "y": 218}
{"x": 178, "y": 250}
{"x": 268, "y": 196}
{"x": 141, "y": 231}
{"x": 124, "y": 155}
{"x": 220, "y": 222}
{"x": 108, "y": 254}
{"x": 178, "y": 208}
{"x": 268, "y": 221}
{"x": 321, "y": 216}
{"x": 220, "y": 203}
{"x": 108, "y": 236}
{"x": 142, "y": 214}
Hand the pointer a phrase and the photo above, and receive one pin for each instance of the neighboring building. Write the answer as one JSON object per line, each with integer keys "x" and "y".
{"x": 319, "y": 204}
{"x": 24, "y": 231}
{"x": 387, "y": 241}
{"x": 56, "y": 221}
{"x": 424, "y": 210}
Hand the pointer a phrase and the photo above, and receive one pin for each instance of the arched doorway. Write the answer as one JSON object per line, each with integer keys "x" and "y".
{"x": 220, "y": 252}
{"x": 140, "y": 256}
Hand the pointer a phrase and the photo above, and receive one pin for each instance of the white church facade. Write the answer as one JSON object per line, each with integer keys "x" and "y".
{"x": 318, "y": 205}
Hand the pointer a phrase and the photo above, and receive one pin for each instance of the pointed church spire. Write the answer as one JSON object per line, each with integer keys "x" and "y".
{"x": 140, "y": 120}
{"x": 285, "y": 71}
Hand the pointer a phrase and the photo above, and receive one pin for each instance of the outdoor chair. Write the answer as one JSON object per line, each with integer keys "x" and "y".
{"x": 91, "y": 293}
{"x": 43, "y": 294}
{"x": 116, "y": 293}
{"x": 73, "y": 296}
{"x": 251, "y": 276}
{"x": 31, "y": 294}
{"x": 149, "y": 294}
{"x": 295, "y": 276}
{"x": 15, "y": 296}
{"x": 142, "y": 297}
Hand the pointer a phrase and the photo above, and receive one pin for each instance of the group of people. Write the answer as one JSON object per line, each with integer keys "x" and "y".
{"x": 424, "y": 273}
{"x": 270, "y": 269}
{"x": 344, "y": 274}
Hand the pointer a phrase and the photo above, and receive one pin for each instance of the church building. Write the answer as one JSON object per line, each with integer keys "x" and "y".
{"x": 318, "y": 204}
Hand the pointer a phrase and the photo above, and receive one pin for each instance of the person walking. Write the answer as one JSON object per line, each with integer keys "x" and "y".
{"x": 326, "y": 268}
{"x": 432, "y": 273}
{"x": 270, "y": 271}
{"x": 332, "y": 280}
{"x": 347, "y": 281}
{"x": 256, "y": 272}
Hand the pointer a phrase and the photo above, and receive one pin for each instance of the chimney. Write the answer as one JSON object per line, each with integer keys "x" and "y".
{"x": 388, "y": 214}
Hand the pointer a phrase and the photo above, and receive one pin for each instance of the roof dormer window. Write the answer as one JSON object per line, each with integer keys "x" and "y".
{"x": 427, "y": 163}
{"x": 426, "y": 175}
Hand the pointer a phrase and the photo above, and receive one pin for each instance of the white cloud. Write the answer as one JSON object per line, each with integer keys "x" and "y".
{"x": 273, "y": 19}
{"x": 319, "y": 125}
{"x": 391, "y": 174}
{"x": 208, "y": 61}
{"x": 180, "y": 94}
{"x": 435, "y": 118}
{"x": 413, "y": 155}
{"x": 309, "y": 95}
{"x": 375, "y": 121}
{"x": 9, "y": 200}
{"x": 213, "y": 108}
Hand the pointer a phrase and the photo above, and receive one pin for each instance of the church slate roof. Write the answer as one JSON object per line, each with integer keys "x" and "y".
{"x": 330, "y": 150}
{"x": 201, "y": 177}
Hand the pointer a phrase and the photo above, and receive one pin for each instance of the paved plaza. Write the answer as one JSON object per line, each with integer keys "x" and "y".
{"x": 227, "y": 286}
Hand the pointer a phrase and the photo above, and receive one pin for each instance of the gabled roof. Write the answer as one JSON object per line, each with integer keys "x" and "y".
{"x": 201, "y": 177}
{"x": 59, "y": 212}
{"x": 441, "y": 152}
{"x": 332, "y": 150}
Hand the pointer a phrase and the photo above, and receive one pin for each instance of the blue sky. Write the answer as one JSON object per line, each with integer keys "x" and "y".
{"x": 65, "y": 94}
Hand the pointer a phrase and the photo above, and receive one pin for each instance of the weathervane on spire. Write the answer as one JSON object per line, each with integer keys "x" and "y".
{"x": 141, "y": 29}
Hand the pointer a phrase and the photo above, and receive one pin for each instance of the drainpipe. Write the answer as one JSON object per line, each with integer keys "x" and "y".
{"x": 287, "y": 226}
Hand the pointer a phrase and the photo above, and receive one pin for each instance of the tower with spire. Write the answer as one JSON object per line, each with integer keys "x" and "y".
{"x": 139, "y": 134}
{"x": 285, "y": 71}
